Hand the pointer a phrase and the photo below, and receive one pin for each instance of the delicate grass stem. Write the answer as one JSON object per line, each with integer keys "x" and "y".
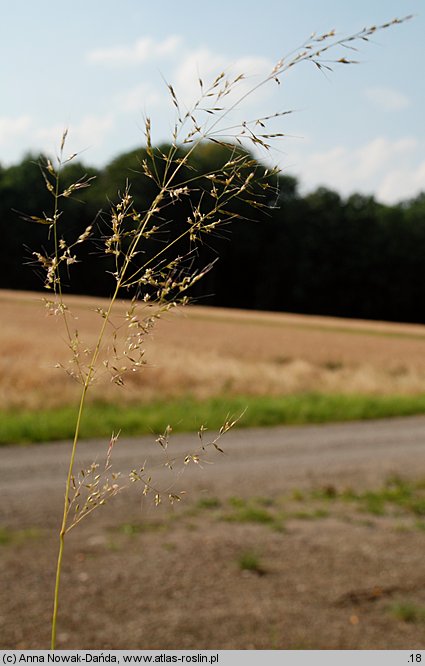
{"x": 71, "y": 467}
{"x": 56, "y": 592}
{"x": 65, "y": 518}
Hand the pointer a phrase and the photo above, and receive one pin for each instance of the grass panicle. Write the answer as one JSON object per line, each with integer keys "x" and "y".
{"x": 154, "y": 268}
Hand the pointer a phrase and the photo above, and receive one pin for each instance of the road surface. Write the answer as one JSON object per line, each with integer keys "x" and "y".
{"x": 255, "y": 462}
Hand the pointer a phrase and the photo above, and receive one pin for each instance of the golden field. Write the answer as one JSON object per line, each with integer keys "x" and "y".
{"x": 204, "y": 352}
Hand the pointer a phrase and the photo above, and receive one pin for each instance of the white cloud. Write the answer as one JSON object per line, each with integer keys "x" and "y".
{"x": 146, "y": 48}
{"x": 401, "y": 184}
{"x": 93, "y": 129}
{"x": 139, "y": 98}
{"x": 183, "y": 68}
{"x": 391, "y": 169}
{"x": 387, "y": 99}
{"x": 205, "y": 64}
{"x": 378, "y": 154}
{"x": 89, "y": 132}
{"x": 12, "y": 127}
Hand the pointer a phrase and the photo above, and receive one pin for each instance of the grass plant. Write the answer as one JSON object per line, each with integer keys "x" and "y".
{"x": 256, "y": 510}
{"x": 250, "y": 561}
{"x": 397, "y": 497}
{"x": 13, "y": 537}
{"x": 153, "y": 266}
{"x": 251, "y": 514}
{"x": 209, "y": 503}
{"x": 408, "y": 611}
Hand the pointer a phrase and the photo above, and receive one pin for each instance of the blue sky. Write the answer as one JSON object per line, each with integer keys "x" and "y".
{"x": 96, "y": 66}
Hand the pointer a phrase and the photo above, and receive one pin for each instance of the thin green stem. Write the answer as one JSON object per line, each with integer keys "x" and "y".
{"x": 65, "y": 516}
{"x": 56, "y": 593}
{"x": 71, "y": 466}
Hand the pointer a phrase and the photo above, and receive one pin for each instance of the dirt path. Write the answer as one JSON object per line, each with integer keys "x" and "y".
{"x": 328, "y": 573}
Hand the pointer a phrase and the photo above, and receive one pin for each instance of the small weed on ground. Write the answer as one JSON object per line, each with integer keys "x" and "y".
{"x": 250, "y": 561}
{"x": 12, "y": 537}
{"x": 133, "y": 529}
{"x": 259, "y": 510}
{"x": 398, "y": 498}
{"x": 408, "y": 611}
{"x": 208, "y": 503}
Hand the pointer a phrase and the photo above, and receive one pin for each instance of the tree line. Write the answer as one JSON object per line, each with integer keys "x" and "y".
{"x": 315, "y": 254}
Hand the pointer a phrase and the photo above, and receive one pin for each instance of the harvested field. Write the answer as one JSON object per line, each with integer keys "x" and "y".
{"x": 204, "y": 352}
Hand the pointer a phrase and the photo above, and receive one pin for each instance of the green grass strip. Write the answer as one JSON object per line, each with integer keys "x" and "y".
{"x": 188, "y": 414}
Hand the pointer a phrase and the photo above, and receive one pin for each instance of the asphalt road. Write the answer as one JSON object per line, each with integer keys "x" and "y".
{"x": 255, "y": 462}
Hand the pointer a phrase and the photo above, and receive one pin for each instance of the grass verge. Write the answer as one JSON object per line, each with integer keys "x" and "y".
{"x": 187, "y": 414}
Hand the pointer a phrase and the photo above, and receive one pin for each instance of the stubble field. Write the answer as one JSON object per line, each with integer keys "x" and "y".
{"x": 204, "y": 352}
